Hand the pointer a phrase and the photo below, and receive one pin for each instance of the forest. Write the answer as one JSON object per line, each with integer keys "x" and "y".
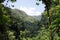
{"x": 16, "y": 25}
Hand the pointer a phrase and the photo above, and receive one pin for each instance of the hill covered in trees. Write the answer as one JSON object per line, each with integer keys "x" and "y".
{"x": 19, "y": 21}
{"x": 17, "y": 25}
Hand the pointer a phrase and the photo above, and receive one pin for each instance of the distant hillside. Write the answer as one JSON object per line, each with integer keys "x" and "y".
{"x": 30, "y": 22}
{"x": 22, "y": 14}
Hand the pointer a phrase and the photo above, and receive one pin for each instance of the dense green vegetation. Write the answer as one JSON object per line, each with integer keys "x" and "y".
{"x": 17, "y": 25}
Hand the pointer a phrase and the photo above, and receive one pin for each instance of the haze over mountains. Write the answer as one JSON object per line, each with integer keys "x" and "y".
{"x": 31, "y": 23}
{"x": 23, "y": 15}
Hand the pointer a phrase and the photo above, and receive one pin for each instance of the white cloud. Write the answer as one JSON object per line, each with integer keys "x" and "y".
{"x": 30, "y": 11}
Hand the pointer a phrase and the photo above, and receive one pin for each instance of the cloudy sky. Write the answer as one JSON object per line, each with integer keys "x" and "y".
{"x": 29, "y": 6}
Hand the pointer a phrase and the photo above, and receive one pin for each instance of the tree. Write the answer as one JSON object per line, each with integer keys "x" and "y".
{"x": 49, "y": 4}
{"x": 4, "y": 20}
{"x": 52, "y": 19}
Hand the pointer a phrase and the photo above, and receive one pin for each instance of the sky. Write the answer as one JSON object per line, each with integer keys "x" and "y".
{"x": 28, "y": 6}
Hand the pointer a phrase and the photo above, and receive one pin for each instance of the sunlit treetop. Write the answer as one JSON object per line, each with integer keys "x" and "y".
{"x": 48, "y": 3}
{"x": 7, "y": 1}
{"x": 45, "y": 1}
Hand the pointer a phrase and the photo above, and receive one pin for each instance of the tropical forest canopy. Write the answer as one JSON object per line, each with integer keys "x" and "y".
{"x": 17, "y": 25}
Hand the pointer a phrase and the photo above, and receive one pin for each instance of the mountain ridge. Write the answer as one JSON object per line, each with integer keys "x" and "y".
{"x": 22, "y": 14}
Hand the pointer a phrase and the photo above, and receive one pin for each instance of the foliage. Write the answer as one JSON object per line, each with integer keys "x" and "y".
{"x": 16, "y": 25}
